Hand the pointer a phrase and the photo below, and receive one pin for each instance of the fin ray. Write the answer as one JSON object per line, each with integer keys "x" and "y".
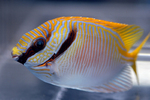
{"x": 130, "y": 35}
{"x": 120, "y": 83}
{"x": 134, "y": 54}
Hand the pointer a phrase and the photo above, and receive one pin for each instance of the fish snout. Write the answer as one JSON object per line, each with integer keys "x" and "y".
{"x": 17, "y": 55}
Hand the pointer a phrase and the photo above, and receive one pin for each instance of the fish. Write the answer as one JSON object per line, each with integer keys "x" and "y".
{"x": 81, "y": 53}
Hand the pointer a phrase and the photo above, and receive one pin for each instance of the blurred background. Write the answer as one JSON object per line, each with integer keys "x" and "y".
{"x": 20, "y": 16}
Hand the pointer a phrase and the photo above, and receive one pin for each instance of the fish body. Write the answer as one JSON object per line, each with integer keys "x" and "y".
{"x": 81, "y": 53}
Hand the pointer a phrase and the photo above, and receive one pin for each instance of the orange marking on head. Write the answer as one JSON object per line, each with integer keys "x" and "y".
{"x": 26, "y": 39}
{"x": 33, "y": 33}
{"x": 24, "y": 44}
{"x": 42, "y": 31}
{"x": 38, "y": 32}
{"x": 19, "y": 46}
{"x": 29, "y": 35}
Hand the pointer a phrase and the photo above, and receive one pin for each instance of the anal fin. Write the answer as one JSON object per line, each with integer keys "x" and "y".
{"x": 121, "y": 83}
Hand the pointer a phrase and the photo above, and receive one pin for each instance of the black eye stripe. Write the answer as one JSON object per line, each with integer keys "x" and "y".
{"x": 65, "y": 45}
{"x": 36, "y": 46}
{"x": 22, "y": 59}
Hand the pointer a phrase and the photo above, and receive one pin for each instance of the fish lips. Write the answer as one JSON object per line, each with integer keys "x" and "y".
{"x": 19, "y": 58}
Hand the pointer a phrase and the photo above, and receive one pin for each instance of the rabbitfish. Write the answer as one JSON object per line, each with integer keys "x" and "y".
{"x": 81, "y": 53}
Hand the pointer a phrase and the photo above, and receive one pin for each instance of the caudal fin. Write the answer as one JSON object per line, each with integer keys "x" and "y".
{"x": 130, "y": 34}
{"x": 137, "y": 50}
{"x": 135, "y": 53}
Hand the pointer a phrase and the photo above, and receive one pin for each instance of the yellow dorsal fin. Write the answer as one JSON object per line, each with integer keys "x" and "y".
{"x": 137, "y": 50}
{"x": 112, "y": 25}
{"x": 130, "y": 35}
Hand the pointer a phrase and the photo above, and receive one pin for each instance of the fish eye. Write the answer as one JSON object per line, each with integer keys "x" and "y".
{"x": 39, "y": 44}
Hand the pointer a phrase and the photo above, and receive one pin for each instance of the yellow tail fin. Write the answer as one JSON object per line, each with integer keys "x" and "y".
{"x": 135, "y": 54}
{"x": 130, "y": 34}
{"x": 137, "y": 50}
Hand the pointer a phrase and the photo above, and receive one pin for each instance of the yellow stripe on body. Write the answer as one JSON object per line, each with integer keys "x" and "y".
{"x": 105, "y": 40}
{"x": 117, "y": 38}
{"x": 56, "y": 32}
{"x": 124, "y": 53}
{"x": 97, "y": 48}
{"x": 92, "y": 49}
{"x": 82, "y": 42}
{"x": 110, "y": 50}
{"x": 52, "y": 25}
{"x": 73, "y": 50}
{"x": 77, "y": 48}
{"x": 102, "y": 41}
{"x": 64, "y": 34}
{"x": 79, "y": 42}
{"x": 60, "y": 35}
{"x": 87, "y": 49}
{"x": 62, "y": 59}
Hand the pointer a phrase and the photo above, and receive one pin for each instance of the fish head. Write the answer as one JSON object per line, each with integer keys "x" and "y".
{"x": 40, "y": 49}
{"x": 36, "y": 47}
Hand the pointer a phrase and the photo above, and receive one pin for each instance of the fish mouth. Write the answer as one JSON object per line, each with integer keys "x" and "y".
{"x": 15, "y": 57}
{"x": 19, "y": 58}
